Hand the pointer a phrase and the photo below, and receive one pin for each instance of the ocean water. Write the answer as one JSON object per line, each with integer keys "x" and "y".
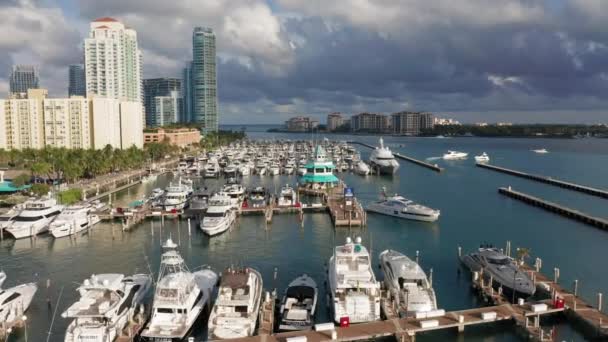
{"x": 472, "y": 213}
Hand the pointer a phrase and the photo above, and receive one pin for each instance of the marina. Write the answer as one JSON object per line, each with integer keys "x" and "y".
{"x": 433, "y": 167}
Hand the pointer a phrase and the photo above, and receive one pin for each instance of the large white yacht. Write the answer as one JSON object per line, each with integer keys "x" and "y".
{"x": 72, "y": 220}
{"x": 35, "y": 218}
{"x": 220, "y": 215}
{"x": 7, "y": 218}
{"x": 287, "y": 197}
{"x": 408, "y": 283}
{"x": 361, "y": 168}
{"x": 299, "y": 304}
{"x": 355, "y": 293}
{"x": 179, "y": 298}
{"x": 399, "y": 206}
{"x": 107, "y": 303}
{"x": 237, "y": 306}
{"x": 235, "y": 191}
{"x": 15, "y": 301}
{"x": 455, "y": 155}
{"x": 383, "y": 160}
{"x": 176, "y": 196}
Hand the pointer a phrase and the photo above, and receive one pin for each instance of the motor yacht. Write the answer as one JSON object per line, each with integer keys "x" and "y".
{"x": 287, "y": 197}
{"x": 200, "y": 200}
{"x": 383, "y": 160}
{"x": 220, "y": 215}
{"x": 407, "y": 284}
{"x": 257, "y": 197}
{"x": 156, "y": 197}
{"x": 237, "y": 306}
{"x": 362, "y": 168}
{"x": 179, "y": 298}
{"x": 176, "y": 196}
{"x": 152, "y": 177}
{"x": 231, "y": 170}
{"x": 399, "y": 206}
{"x": 35, "y": 218}
{"x": 236, "y": 192}
{"x": 302, "y": 170}
{"x": 7, "y": 218}
{"x": 355, "y": 293}
{"x": 540, "y": 151}
{"x": 503, "y": 270}
{"x": 455, "y": 155}
{"x": 15, "y": 301}
{"x": 212, "y": 170}
{"x": 244, "y": 170}
{"x": 274, "y": 169}
{"x": 74, "y": 219}
{"x": 483, "y": 158}
{"x": 107, "y": 303}
{"x": 299, "y": 304}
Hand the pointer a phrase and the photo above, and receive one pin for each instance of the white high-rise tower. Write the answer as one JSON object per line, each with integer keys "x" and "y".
{"x": 113, "y": 61}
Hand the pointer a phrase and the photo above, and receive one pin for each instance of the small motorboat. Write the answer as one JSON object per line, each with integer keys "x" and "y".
{"x": 455, "y": 155}
{"x": 483, "y": 158}
{"x": 299, "y": 304}
{"x": 540, "y": 151}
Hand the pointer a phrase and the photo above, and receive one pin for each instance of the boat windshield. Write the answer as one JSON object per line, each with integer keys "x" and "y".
{"x": 499, "y": 260}
{"x": 208, "y": 214}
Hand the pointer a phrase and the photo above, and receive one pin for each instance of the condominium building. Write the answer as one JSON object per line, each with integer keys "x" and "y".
{"x": 22, "y": 78}
{"x": 334, "y": 121}
{"x": 167, "y": 109}
{"x": 301, "y": 124}
{"x": 187, "y": 97}
{"x": 162, "y": 101}
{"x": 203, "y": 80}
{"x": 106, "y": 122}
{"x": 113, "y": 61}
{"x": 370, "y": 122}
{"x": 68, "y": 123}
{"x": 24, "y": 121}
{"x": 77, "y": 80}
{"x": 131, "y": 125}
{"x": 411, "y": 123}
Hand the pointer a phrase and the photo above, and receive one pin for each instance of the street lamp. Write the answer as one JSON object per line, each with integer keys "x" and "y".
{"x": 24, "y": 318}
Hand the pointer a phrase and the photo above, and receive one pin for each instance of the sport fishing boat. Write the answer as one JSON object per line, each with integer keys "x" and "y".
{"x": 287, "y": 197}
{"x": 383, "y": 159}
{"x": 455, "y": 155}
{"x": 74, "y": 219}
{"x": 179, "y": 298}
{"x": 407, "y": 283}
{"x": 220, "y": 215}
{"x": 236, "y": 310}
{"x": 299, "y": 304}
{"x": 176, "y": 196}
{"x": 355, "y": 293}
{"x": 483, "y": 158}
{"x": 503, "y": 271}
{"x": 399, "y": 206}
{"x": 15, "y": 301}
{"x": 107, "y": 303}
{"x": 35, "y": 218}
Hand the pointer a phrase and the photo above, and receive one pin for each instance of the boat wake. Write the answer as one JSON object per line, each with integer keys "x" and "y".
{"x": 433, "y": 158}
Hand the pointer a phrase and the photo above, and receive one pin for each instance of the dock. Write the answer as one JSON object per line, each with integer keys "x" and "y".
{"x": 556, "y": 208}
{"x": 433, "y": 167}
{"x": 547, "y": 180}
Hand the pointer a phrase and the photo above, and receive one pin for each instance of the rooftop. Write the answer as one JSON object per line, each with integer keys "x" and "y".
{"x": 105, "y": 19}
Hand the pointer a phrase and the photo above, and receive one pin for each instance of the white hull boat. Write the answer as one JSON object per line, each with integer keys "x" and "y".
{"x": 455, "y": 155}
{"x": 398, "y": 206}
{"x": 483, "y": 158}
{"x": 35, "y": 218}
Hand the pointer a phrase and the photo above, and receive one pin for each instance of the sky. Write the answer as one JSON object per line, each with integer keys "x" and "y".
{"x": 522, "y": 61}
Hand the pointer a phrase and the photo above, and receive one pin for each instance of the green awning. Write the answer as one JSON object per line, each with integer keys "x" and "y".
{"x": 7, "y": 186}
{"x": 311, "y": 178}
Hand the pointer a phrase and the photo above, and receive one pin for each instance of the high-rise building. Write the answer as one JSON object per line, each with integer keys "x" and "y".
{"x": 369, "y": 122}
{"x": 204, "y": 80}
{"x": 301, "y": 124}
{"x": 187, "y": 106}
{"x": 113, "y": 61}
{"x": 24, "y": 120}
{"x": 411, "y": 123}
{"x": 167, "y": 109}
{"x": 77, "y": 81}
{"x": 334, "y": 120}
{"x": 67, "y": 123}
{"x": 162, "y": 90}
{"x": 22, "y": 78}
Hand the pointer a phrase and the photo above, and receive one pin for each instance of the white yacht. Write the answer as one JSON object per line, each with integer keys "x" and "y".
{"x": 220, "y": 215}
{"x": 355, "y": 293}
{"x": 180, "y": 297}
{"x": 274, "y": 169}
{"x": 483, "y": 158}
{"x": 237, "y": 306}
{"x": 15, "y": 301}
{"x": 287, "y": 197}
{"x": 540, "y": 151}
{"x": 362, "y": 168}
{"x": 455, "y": 155}
{"x": 149, "y": 178}
{"x": 7, "y": 218}
{"x": 236, "y": 192}
{"x": 107, "y": 303}
{"x": 35, "y": 218}
{"x": 302, "y": 170}
{"x": 156, "y": 197}
{"x": 383, "y": 159}
{"x": 244, "y": 170}
{"x": 299, "y": 304}
{"x": 212, "y": 170}
{"x": 72, "y": 220}
{"x": 399, "y": 206}
{"x": 289, "y": 168}
{"x": 407, "y": 283}
{"x": 231, "y": 170}
{"x": 176, "y": 196}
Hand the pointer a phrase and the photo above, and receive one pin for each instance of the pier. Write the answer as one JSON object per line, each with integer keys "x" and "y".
{"x": 547, "y": 180}
{"x": 555, "y": 208}
{"x": 433, "y": 167}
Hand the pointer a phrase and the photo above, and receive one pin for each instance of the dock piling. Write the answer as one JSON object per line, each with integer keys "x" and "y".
{"x": 599, "y": 301}
{"x": 575, "y": 287}
{"x": 555, "y": 275}
{"x": 189, "y": 228}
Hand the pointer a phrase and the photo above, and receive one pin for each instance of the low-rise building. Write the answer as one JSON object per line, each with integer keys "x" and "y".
{"x": 301, "y": 124}
{"x": 181, "y": 137}
{"x": 370, "y": 122}
{"x": 446, "y": 122}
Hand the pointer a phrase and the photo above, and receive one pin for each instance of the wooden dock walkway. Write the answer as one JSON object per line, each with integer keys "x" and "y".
{"x": 433, "y": 167}
{"x": 556, "y": 208}
{"x": 342, "y": 215}
{"x": 547, "y": 180}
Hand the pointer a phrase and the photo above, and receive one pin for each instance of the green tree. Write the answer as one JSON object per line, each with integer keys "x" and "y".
{"x": 40, "y": 189}
{"x": 21, "y": 180}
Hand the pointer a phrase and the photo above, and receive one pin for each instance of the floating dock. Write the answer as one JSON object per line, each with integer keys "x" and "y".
{"x": 556, "y": 208}
{"x": 547, "y": 180}
{"x": 433, "y": 167}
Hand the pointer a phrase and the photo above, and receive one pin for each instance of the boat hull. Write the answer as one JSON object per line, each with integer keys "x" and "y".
{"x": 403, "y": 215}
{"x": 385, "y": 168}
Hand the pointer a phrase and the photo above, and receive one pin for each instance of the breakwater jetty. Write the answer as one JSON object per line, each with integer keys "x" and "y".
{"x": 433, "y": 167}
{"x": 547, "y": 180}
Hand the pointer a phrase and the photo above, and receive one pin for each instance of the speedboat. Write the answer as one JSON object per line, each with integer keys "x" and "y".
{"x": 399, "y": 206}
{"x": 176, "y": 196}
{"x": 15, "y": 301}
{"x": 383, "y": 159}
{"x": 355, "y": 293}
{"x": 220, "y": 215}
{"x": 483, "y": 158}
{"x": 361, "y": 168}
{"x": 287, "y": 197}
{"x": 237, "y": 306}
{"x": 455, "y": 155}
{"x": 180, "y": 297}
{"x": 540, "y": 151}
{"x": 407, "y": 283}
{"x": 299, "y": 304}
{"x": 503, "y": 270}
{"x": 35, "y": 218}
{"x": 74, "y": 219}
{"x": 107, "y": 303}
